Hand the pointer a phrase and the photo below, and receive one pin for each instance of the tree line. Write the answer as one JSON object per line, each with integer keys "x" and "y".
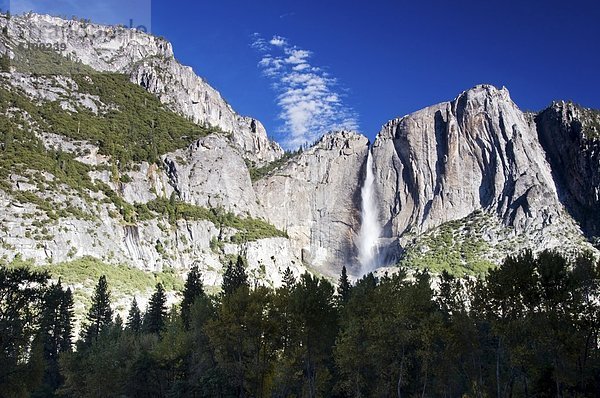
{"x": 529, "y": 328}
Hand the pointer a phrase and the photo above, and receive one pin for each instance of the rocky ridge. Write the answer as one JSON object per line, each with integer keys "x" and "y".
{"x": 476, "y": 163}
{"x": 211, "y": 173}
{"x": 150, "y": 62}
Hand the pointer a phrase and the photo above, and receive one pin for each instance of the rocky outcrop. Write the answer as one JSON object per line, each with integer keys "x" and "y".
{"x": 210, "y": 173}
{"x": 179, "y": 87}
{"x": 315, "y": 197}
{"x": 267, "y": 260}
{"x": 150, "y": 62}
{"x": 570, "y": 135}
{"x": 149, "y": 245}
{"x": 478, "y": 152}
{"x": 147, "y": 183}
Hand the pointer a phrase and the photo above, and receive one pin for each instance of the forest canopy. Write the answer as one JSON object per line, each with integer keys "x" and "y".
{"x": 528, "y": 328}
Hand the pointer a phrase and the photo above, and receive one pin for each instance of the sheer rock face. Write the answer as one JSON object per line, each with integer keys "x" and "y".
{"x": 150, "y": 62}
{"x": 478, "y": 152}
{"x": 315, "y": 197}
{"x": 569, "y": 135}
{"x": 210, "y": 173}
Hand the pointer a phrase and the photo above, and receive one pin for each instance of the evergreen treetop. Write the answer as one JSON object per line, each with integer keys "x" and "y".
{"x": 100, "y": 315}
{"x": 344, "y": 287}
{"x": 192, "y": 290}
{"x": 154, "y": 321}
{"x": 134, "y": 319}
{"x": 235, "y": 277}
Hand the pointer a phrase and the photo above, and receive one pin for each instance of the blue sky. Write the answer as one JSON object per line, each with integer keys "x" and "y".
{"x": 304, "y": 66}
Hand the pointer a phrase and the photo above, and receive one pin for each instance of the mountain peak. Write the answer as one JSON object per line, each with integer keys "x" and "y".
{"x": 340, "y": 138}
{"x": 478, "y": 152}
{"x": 482, "y": 92}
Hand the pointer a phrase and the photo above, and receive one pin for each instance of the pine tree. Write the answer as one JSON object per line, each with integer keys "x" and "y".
{"x": 314, "y": 314}
{"x": 289, "y": 280}
{"x": 344, "y": 287}
{"x": 117, "y": 325}
{"x": 154, "y": 321}
{"x": 172, "y": 208}
{"x": 50, "y": 334}
{"x": 50, "y": 325}
{"x": 193, "y": 289}
{"x": 100, "y": 314}
{"x": 21, "y": 297}
{"x": 134, "y": 319}
{"x": 235, "y": 276}
{"x": 8, "y": 140}
{"x": 66, "y": 321}
{"x": 54, "y": 335}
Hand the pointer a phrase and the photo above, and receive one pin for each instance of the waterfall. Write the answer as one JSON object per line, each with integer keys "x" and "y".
{"x": 370, "y": 229}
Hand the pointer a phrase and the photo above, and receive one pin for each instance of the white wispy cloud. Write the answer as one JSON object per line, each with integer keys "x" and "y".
{"x": 310, "y": 99}
{"x": 278, "y": 41}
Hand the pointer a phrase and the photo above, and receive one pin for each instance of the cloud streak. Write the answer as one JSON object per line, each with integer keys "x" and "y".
{"x": 309, "y": 98}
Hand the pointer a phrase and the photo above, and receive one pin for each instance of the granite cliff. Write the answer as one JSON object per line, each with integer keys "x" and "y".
{"x": 461, "y": 183}
{"x": 477, "y": 153}
{"x": 570, "y": 136}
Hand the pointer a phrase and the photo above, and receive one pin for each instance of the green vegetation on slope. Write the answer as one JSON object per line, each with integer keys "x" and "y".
{"x": 455, "y": 247}
{"x": 140, "y": 128}
{"x": 132, "y": 124}
{"x": 83, "y": 273}
{"x": 38, "y": 61}
{"x": 256, "y": 173}
{"x": 249, "y": 229}
{"x": 24, "y": 154}
{"x": 124, "y": 279}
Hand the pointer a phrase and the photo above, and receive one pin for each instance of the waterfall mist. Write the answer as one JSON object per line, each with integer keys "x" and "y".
{"x": 370, "y": 230}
